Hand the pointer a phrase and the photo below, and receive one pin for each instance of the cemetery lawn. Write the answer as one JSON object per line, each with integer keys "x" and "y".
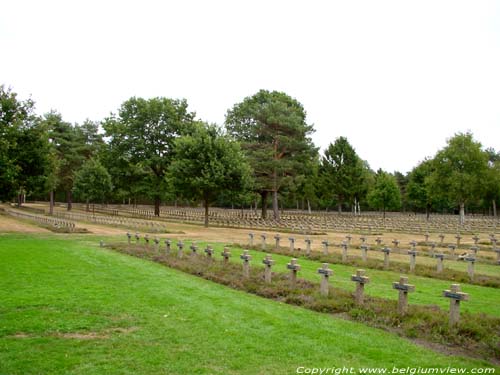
{"x": 69, "y": 307}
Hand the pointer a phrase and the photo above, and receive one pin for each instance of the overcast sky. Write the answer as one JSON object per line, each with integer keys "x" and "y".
{"x": 397, "y": 78}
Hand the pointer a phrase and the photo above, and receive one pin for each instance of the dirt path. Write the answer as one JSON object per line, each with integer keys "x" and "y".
{"x": 12, "y": 225}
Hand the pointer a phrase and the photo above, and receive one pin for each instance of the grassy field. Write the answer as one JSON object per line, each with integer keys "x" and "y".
{"x": 428, "y": 291}
{"x": 68, "y": 307}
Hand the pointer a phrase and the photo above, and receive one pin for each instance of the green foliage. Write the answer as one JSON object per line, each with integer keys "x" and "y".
{"x": 272, "y": 129}
{"x": 459, "y": 170}
{"x": 142, "y": 138}
{"x": 207, "y": 164}
{"x": 384, "y": 194}
{"x": 92, "y": 182}
{"x": 24, "y": 147}
{"x": 342, "y": 172}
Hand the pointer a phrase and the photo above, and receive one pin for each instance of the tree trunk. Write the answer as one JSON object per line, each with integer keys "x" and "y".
{"x": 69, "y": 200}
{"x": 88, "y": 207}
{"x": 157, "y": 206}
{"x": 19, "y": 199}
{"x": 51, "y": 203}
{"x": 340, "y": 207}
{"x": 263, "y": 196}
{"x": 276, "y": 210}
{"x": 494, "y": 208}
{"x": 308, "y": 207}
{"x": 205, "y": 202}
{"x": 462, "y": 213}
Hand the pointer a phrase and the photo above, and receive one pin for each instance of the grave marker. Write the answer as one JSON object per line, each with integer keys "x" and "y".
{"x": 413, "y": 258}
{"x": 250, "y": 235}
{"x": 458, "y": 238}
{"x": 441, "y": 238}
{"x": 277, "y": 243}
{"x": 325, "y": 247}
{"x": 455, "y": 296}
{"x": 364, "y": 251}
{"x": 194, "y": 249}
{"x": 360, "y": 279}
{"x": 294, "y": 268}
{"x": 292, "y": 243}
{"x": 470, "y": 259}
{"x": 343, "y": 245}
{"x": 268, "y": 263}
{"x": 226, "y": 254}
{"x": 168, "y": 244}
{"x": 246, "y": 263}
{"x": 209, "y": 251}
{"x": 476, "y": 239}
{"x": 180, "y": 246}
{"x": 263, "y": 243}
{"x": 128, "y": 237}
{"x": 403, "y": 288}
{"x": 439, "y": 258}
{"x": 387, "y": 253}
{"x": 395, "y": 242}
{"x": 308, "y": 246}
{"x": 326, "y": 273}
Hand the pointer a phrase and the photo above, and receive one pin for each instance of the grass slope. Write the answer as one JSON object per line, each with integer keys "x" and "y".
{"x": 68, "y": 307}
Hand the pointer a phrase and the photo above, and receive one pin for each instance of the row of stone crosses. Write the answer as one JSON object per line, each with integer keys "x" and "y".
{"x": 359, "y": 278}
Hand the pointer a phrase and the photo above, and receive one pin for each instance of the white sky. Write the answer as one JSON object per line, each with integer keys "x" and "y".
{"x": 397, "y": 78}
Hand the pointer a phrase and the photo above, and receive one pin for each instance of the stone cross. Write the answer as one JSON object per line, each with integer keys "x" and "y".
{"x": 325, "y": 246}
{"x": 426, "y": 236}
{"x": 226, "y": 254}
{"x": 268, "y": 263}
{"x": 250, "y": 235}
{"x": 194, "y": 248}
{"x": 452, "y": 249}
{"x": 246, "y": 263}
{"x": 476, "y": 239}
{"x": 364, "y": 249}
{"x": 458, "y": 237}
{"x": 137, "y": 237}
{"x": 387, "y": 253}
{"x": 455, "y": 296}
{"x": 101, "y": 243}
{"x": 433, "y": 247}
{"x": 263, "y": 244}
{"x": 493, "y": 241}
{"x": 308, "y": 245}
{"x": 326, "y": 273}
{"x": 277, "y": 239}
{"x": 404, "y": 288}
{"x": 474, "y": 249}
{"x": 146, "y": 238}
{"x": 395, "y": 243}
{"x": 156, "y": 242}
{"x": 360, "y": 279}
{"x": 292, "y": 243}
{"x": 348, "y": 238}
{"x": 441, "y": 238}
{"x": 128, "y": 237}
{"x": 413, "y": 244}
{"x": 413, "y": 258}
{"x": 180, "y": 246}
{"x": 439, "y": 258}
{"x": 294, "y": 268}
{"x": 378, "y": 241}
{"x": 363, "y": 239}
{"x": 343, "y": 245}
{"x": 209, "y": 251}
{"x": 168, "y": 243}
{"x": 470, "y": 267}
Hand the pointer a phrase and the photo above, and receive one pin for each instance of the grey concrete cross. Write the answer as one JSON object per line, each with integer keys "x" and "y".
{"x": 360, "y": 279}
{"x": 268, "y": 263}
{"x": 455, "y": 296}
{"x": 246, "y": 263}
{"x": 403, "y": 288}
{"x": 294, "y": 267}
{"x": 325, "y": 272}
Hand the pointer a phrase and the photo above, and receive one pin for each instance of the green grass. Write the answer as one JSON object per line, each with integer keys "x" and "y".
{"x": 150, "y": 319}
{"x": 428, "y": 290}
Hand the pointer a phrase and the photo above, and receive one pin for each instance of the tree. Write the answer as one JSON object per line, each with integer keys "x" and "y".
{"x": 67, "y": 145}
{"x": 143, "y": 134}
{"x": 92, "y": 182}
{"x": 385, "y": 194}
{"x": 272, "y": 129}
{"x": 418, "y": 191}
{"x": 492, "y": 181}
{"x": 24, "y": 147}
{"x": 342, "y": 171}
{"x": 459, "y": 171}
{"x": 206, "y": 164}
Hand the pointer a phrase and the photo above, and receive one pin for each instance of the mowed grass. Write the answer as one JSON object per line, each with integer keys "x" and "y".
{"x": 428, "y": 291}
{"x": 69, "y": 307}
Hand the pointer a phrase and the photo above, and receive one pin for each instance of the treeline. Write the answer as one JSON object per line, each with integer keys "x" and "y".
{"x": 155, "y": 150}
